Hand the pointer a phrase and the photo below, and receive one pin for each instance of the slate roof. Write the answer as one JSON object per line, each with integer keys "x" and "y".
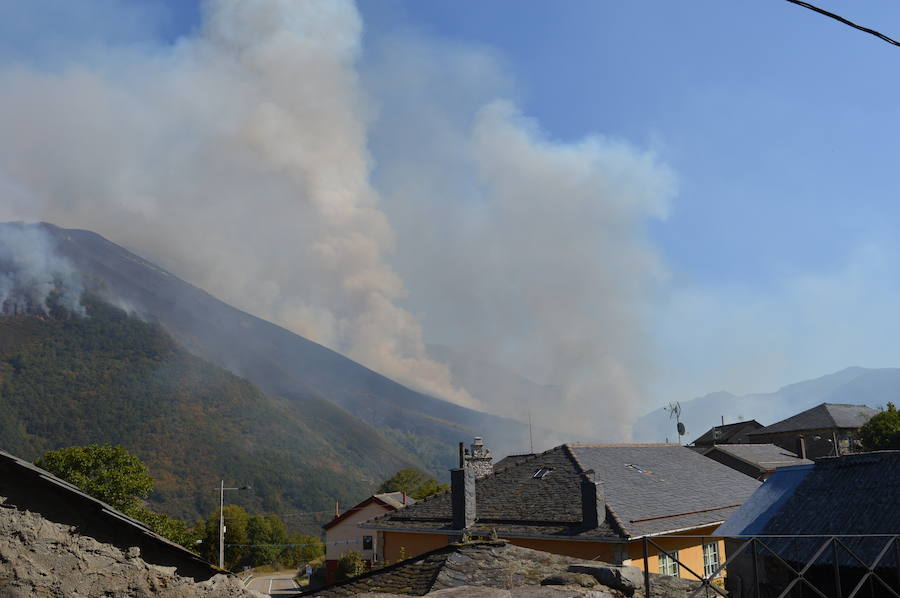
{"x": 495, "y": 564}
{"x": 511, "y": 459}
{"x": 764, "y": 456}
{"x": 729, "y": 433}
{"x": 395, "y": 499}
{"x": 824, "y": 416}
{"x": 476, "y": 564}
{"x": 642, "y": 489}
{"x": 851, "y": 494}
{"x": 28, "y": 487}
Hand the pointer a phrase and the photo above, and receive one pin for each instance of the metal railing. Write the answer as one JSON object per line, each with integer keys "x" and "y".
{"x": 788, "y": 566}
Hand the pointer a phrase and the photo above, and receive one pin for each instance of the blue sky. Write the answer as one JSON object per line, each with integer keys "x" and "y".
{"x": 781, "y": 126}
{"x": 779, "y": 246}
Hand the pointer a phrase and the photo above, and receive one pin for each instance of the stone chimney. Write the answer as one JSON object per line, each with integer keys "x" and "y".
{"x": 478, "y": 458}
{"x": 801, "y": 447}
{"x": 462, "y": 497}
{"x": 591, "y": 501}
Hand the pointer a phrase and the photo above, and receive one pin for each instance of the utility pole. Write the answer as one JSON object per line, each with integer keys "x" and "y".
{"x": 222, "y": 525}
{"x": 222, "y": 490}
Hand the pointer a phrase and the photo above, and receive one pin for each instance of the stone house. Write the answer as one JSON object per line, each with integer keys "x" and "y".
{"x": 343, "y": 534}
{"x": 587, "y": 501}
{"x": 826, "y": 430}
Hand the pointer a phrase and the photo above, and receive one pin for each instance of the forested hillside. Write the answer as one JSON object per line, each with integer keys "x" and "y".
{"x": 278, "y": 361}
{"x": 110, "y": 377}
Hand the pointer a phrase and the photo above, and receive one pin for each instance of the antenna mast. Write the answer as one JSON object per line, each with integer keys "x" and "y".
{"x": 674, "y": 410}
{"x": 530, "y": 434}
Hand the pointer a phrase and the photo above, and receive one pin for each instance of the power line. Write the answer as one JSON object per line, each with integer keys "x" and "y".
{"x": 822, "y": 11}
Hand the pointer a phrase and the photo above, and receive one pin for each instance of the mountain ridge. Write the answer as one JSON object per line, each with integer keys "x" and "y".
{"x": 852, "y": 385}
{"x": 278, "y": 361}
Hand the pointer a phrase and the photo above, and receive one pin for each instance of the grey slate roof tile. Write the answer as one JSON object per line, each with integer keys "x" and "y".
{"x": 851, "y": 494}
{"x": 678, "y": 489}
{"x": 824, "y": 416}
{"x": 728, "y": 433}
{"x": 481, "y": 564}
{"x": 764, "y": 456}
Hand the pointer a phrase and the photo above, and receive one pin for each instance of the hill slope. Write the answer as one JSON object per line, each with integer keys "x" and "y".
{"x": 110, "y": 377}
{"x": 280, "y": 362}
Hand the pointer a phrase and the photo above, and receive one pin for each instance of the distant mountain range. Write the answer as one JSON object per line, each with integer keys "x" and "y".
{"x": 280, "y": 362}
{"x": 853, "y": 385}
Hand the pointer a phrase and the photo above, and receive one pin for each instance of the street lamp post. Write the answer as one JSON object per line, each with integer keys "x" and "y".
{"x": 222, "y": 490}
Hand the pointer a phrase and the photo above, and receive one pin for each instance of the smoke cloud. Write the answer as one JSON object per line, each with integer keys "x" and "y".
{"x": 33, "y": 275}
{"x": 236, "y": 158}
{"x": 353, "y": 199}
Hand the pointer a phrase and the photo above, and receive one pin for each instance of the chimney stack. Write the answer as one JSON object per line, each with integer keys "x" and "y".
{"x": 462, "y": 497}
{"x": 801, "y": 447}
{"x": 478, "y": 458}
{"x": 590, "y": 500}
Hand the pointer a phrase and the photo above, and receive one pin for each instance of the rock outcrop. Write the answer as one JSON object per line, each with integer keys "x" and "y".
{"x": 39, "y": 558}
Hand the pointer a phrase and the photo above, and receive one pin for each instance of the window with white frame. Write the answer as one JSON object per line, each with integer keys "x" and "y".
{"x": 668, "y": 564}
{"x": 710, "y": 558}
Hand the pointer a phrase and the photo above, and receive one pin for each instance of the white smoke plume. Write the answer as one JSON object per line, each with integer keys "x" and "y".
{"x": 33, "y": 275}
{"x": 240, "y": 159}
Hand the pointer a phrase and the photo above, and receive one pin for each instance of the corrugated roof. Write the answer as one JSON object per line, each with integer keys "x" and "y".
{"x": 647, "y": 489}
{"x": 824, "y": 416}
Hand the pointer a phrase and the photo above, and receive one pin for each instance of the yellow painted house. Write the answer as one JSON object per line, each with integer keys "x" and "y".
{"x": 590, "y": 501}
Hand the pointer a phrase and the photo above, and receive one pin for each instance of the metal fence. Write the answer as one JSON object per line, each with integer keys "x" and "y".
{"x": 791, "y": 566}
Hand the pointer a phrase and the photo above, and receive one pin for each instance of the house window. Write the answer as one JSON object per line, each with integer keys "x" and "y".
{"x": 710, "y": 558}
{"x": 367, "y": 542}
{"x": 668, "y": 564}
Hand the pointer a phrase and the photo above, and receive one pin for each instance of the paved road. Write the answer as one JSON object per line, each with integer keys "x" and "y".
{"x": 276, "y": 584}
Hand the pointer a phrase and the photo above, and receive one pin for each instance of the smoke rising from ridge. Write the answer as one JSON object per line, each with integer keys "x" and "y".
{"x": 32, "y": 272}
{"x": 240, "y": 159}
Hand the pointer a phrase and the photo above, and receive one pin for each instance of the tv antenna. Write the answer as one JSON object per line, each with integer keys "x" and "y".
{"x": 674, "y": 411}
{"x": 530, "y": 433}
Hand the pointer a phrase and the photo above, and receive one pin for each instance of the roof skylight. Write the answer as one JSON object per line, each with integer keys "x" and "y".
{"x": 541, "y": 473}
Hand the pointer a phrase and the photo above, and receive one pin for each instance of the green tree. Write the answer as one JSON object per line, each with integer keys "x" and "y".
{"x": 108, "y": 473}
{"x": 882, "y": 431}
{"x": 413, "y": 482}
{"x": 268, "y": 537}
{"x": 301, "y": 550}
{"x": 175, "y": 530}
{"x": 236, "y": 522}
{"x": 118, "y": 478}
{"x": 350, "y": 564}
